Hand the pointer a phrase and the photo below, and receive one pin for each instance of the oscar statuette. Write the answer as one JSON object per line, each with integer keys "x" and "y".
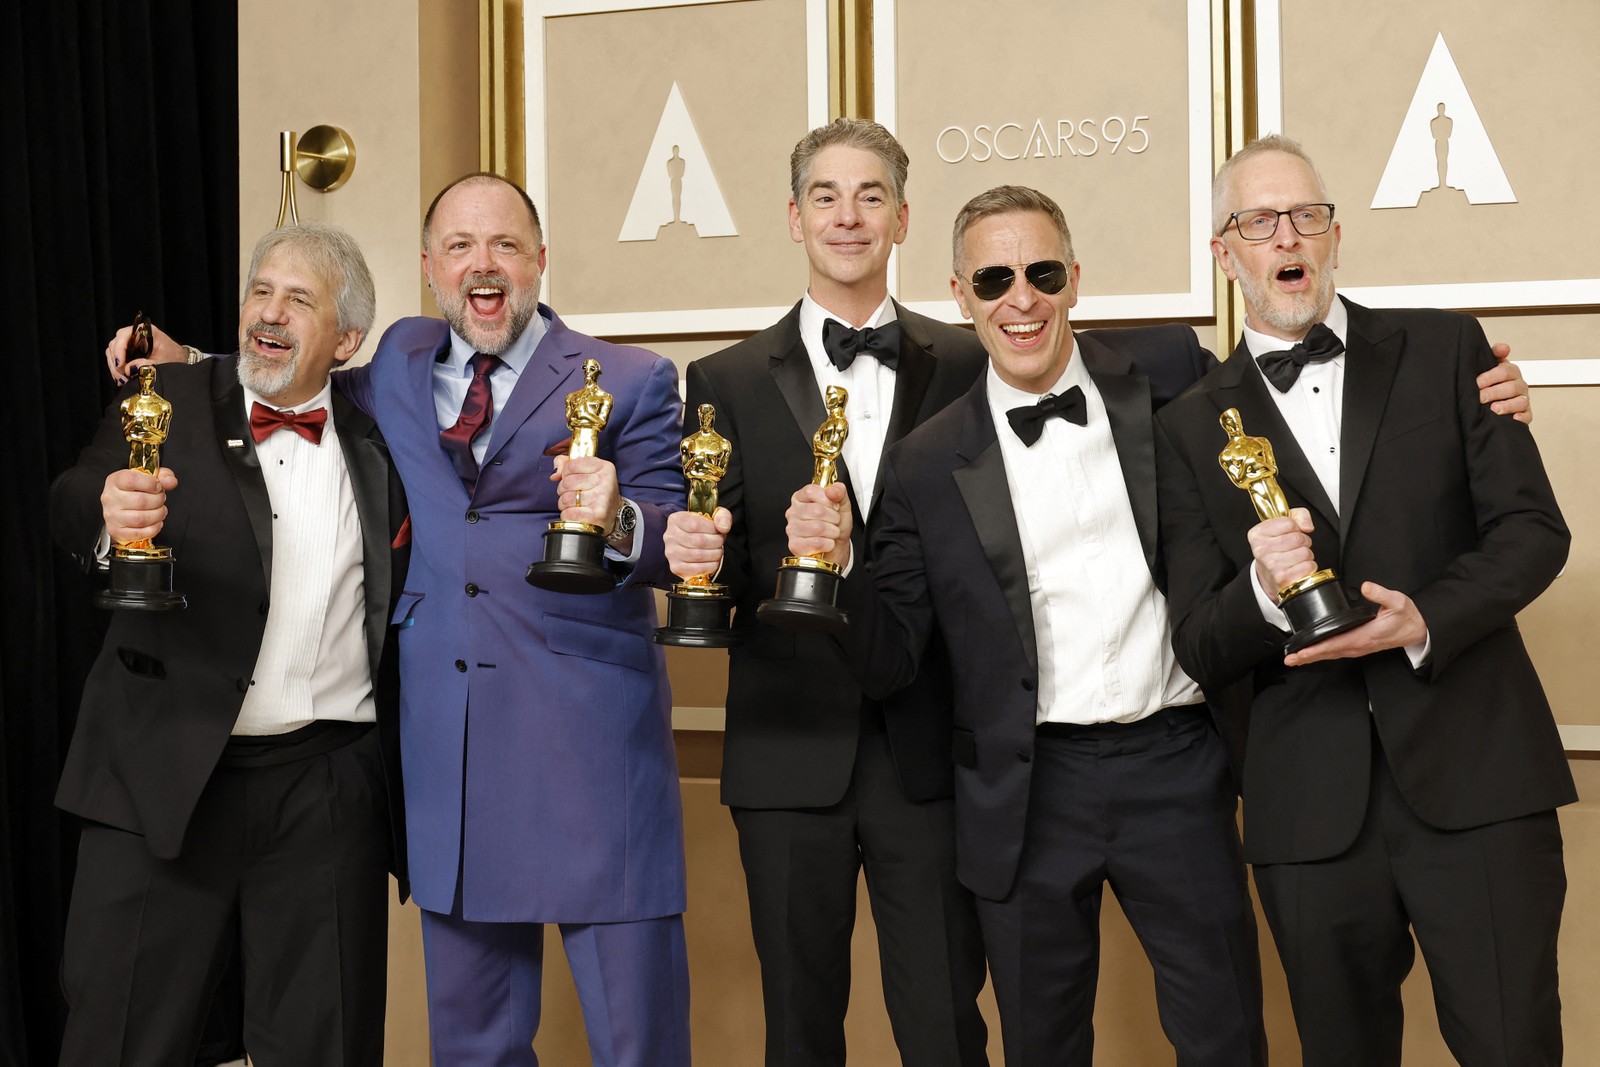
{"x": 574, "y": 552}
{"x": 141, "y": 571}
{"x": 1317, "y": 605}
{"x": 698, "y": 609}
{"x": 808, "y": 586}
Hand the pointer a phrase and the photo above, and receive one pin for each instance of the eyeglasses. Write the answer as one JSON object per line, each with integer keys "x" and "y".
{"x": 1049, "y": 276}
{"x": 1260, "y": 223}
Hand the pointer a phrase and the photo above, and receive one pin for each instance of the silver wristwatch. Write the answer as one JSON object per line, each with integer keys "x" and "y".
{"x": 626, "y": 521}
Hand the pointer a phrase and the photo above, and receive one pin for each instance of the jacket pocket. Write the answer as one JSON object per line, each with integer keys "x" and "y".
{"x": 403, "y": 606}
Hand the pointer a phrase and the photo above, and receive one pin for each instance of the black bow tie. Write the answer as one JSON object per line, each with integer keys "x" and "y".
{"x": 1028, "y": 422}
{"x": 1283, "y": 368}
{"x": 843, "y": 344}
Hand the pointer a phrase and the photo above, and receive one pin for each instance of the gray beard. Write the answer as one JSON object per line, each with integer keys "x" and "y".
{"x": 267, "y": 379}
{"x": 1294, "y": 318}
{"x": 523, "y": 309}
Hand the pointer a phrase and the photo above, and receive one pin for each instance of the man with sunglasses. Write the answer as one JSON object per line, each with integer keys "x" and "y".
{"x": 1401, "y": 778}
{"x": 1020, "y": 524}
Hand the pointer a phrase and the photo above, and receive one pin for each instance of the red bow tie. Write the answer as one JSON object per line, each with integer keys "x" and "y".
{"x": 308, "y": 424}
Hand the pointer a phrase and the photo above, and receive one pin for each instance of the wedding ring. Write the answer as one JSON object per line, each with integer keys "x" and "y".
{"x": 577, "y": 499}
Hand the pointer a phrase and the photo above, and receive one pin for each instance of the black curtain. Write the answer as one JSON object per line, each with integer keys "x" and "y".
{"x": 120, "y": 192}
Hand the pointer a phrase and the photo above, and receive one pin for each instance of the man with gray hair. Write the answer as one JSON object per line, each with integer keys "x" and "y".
{"x": 235, "y": 762}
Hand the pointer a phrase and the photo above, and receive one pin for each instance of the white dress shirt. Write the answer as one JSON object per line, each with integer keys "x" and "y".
{"x": 313, "y": 663}
{"x": 871, "y": 402}
{"x": 1102, "y": 628}
{"x": 1313, "y": 408}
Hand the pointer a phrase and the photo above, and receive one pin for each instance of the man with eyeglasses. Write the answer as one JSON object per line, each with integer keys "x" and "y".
{"x": 1401, "y": 779}
{"x": 1020, "y": 524}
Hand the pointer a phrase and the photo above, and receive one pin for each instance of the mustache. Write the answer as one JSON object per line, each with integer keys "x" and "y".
{"x": 277, "y": 333}
{"x": 498, "y": 280}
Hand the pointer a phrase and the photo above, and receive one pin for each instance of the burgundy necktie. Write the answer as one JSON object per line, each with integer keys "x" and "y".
{"x": 476, "y": 412}
{"x": 308, "y": 424}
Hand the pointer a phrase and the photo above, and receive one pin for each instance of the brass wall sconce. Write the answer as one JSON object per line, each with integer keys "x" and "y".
{"x": 324, "y": 157}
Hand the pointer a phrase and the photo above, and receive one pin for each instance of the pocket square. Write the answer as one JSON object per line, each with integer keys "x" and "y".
{"x": 561, "y": 447}
{"x": 402, "y": 537}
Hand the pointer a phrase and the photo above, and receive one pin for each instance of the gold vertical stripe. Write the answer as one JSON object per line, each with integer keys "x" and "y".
{"x": 500, "y": 89}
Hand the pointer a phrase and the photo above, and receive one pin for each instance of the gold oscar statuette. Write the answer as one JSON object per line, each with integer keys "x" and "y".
{"x": 574, "y": 552}
{"x": 141, "y": 571}
{"x": 808, "y": 586}
{"x": 698, "y": 609}
{"x": 1317, "y": 605}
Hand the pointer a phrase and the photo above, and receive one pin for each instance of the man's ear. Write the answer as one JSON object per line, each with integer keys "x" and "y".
{"x": 349, "y": 342}
{"x": 958, "y": 291}
{"x": 1224, "y": 258}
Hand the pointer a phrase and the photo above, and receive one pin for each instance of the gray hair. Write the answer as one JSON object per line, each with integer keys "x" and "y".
{"x": 337, "y": 259}
{"x": 1221, "y": 189}
{"x": 1006, "y": 200}
{"x": 850, "y": 133}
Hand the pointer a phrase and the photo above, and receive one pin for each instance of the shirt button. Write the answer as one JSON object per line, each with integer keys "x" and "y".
{"x": 461, "y": 665}
{"x": 472, "y": 589}
{"x": 472, "y": 514}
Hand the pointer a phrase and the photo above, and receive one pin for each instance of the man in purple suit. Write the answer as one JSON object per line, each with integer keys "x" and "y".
{"x": 541, "y": 783}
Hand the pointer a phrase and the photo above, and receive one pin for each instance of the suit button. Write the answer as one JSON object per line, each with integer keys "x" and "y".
{"x": 472, "y": 514}
{"x": 461, "y": 665}
{"x": 472, "y": 589}
{"x": 1025, "y": 757}
{"x": 1027, "y": 685}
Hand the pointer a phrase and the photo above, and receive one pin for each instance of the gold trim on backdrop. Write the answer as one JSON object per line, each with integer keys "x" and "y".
{"x": 850, "y": 59}
{"x": 500, "y": 89}
{"x": 1234, "y": 114}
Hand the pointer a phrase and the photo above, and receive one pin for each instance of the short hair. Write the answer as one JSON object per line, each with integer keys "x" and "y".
{"x": 1006, "y": 200}
{"x": 1272, "y": 142}
{"x": 337, "y": 259}
{"x": 482, "y": 177}
{"x": 850, "y": 133}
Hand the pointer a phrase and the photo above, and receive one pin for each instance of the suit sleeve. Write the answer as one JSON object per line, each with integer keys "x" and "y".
{"x": 1522, "y": 539}
{"x": 649, "y": 472}
{"x": 76, "y": 517}
{"x": 700, "y": 389}
{"x": 891, "y": 612}
{"x": 1218, "y": 633}
{"x": 355, "y": 385}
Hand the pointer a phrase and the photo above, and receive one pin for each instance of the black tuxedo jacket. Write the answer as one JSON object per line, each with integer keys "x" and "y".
{"x": 1441, "y": 500}
{"x": 947, "y": 559}
{"x": 794, "y": 708}
{"x": 165, "y": 691}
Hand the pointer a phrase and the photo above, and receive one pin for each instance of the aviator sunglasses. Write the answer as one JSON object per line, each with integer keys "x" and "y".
{"x": 1049, "y": 276}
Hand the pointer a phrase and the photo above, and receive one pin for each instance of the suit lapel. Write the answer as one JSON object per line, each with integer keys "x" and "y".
{"x": 367, "y": 462}
{"x": 227, "y": 408}
{"x": 983, "y": 486}
{"x": 552, "y": 362}
{"x": 1371, "y": 359}
{"x": 912, "y": 377}
{"x": 790, "y": 367}
{"x": 1126, "y": 395}
{"x": 1241, "y": 386}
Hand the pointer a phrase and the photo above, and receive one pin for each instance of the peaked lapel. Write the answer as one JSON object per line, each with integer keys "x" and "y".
{"x": 1126, "y": 394}
{"x": 981, "y": 480}
{"x": 367, "y": 462}
{"x": 227, "y": 412}
{"x": 790, "y": 367}
{"x": 1241, "y": 386}
{"x": 553, "y": 361}
{"x": 1371, "y": 359}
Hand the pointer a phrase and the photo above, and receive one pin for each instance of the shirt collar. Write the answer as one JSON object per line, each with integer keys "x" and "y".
{"x": 1003, "y": 397}
{"x": 813, "y": 315}
{"x": 1259, "y": 344}
{"x": 516, "y": 356}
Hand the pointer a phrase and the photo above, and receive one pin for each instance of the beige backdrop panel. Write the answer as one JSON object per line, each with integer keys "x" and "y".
{"x": 1533, "y": 80}
{"x": 741, "y": 68}
{"x": 1094, "y": 60}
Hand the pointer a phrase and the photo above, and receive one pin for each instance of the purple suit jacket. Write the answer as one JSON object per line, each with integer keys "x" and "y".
{"x": 535, "y": 726}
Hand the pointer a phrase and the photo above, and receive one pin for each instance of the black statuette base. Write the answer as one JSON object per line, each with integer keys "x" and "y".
{"x": 697, "y": 619}
{"x": 1322, "y": 611}
{"x": 806, "y": 598}
{"x": 140, "y": 585}
{"x": 574, "y": 560}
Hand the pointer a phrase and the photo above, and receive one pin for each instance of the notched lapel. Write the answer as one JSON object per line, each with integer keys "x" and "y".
{"x": 1370, "y": 364}
{"x": 987, "y": 494}
{"x": 227, "y": 408}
